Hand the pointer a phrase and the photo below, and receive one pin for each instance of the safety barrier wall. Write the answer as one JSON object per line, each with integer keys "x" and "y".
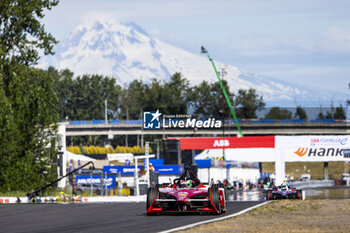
{"x": 232, "y": 174}
{"x": 142, "y": 198}
{"x": 263, "y": 121}
{"x": 312, "y": 183}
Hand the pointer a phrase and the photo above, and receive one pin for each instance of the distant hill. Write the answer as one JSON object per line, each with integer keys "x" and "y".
{"x": 127, "y": 52}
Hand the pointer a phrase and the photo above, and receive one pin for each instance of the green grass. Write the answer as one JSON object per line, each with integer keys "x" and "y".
{"x": 335, "y": 169}
{"x": 13, "y": 194}
{"x": 48, "y": 192}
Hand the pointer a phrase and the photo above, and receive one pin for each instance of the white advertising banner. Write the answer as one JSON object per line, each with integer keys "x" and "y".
{"x": 288, "y": 149}
{"x": 241, "y": 154}
{"x": 121, "y": 157}
{"x": 251, "y": 154}
{"x": 312, "y": 148}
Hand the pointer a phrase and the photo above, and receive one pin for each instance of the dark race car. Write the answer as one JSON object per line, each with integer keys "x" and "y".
{"x": 186, "y": 195}
{"x": 283, "y": 192}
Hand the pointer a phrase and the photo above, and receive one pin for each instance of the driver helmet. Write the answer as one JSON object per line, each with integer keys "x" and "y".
{"x": 189, "y": 183}
{"x": 284, "y": 183}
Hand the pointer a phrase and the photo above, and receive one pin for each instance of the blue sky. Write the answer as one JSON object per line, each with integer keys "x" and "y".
{"x": 305, "y": 42}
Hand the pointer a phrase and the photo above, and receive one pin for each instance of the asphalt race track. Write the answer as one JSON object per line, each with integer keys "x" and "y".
{"x": 96, "y": 218}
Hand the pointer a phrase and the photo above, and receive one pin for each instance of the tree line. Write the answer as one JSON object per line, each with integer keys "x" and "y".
{"x": 83, "y": 97}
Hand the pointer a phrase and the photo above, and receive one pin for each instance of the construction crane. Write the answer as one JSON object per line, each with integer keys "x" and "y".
{"x": 204, "y": 51}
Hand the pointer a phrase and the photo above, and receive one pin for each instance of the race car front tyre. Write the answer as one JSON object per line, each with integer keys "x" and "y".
{"x": 214, "y": 195}
{"x": 152, "y": 194}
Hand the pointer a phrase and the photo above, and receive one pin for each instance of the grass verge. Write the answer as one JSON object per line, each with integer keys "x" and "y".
{"x": 288, "y": 216}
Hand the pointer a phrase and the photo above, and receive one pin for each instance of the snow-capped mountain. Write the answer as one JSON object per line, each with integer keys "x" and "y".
{"x": 127, "y": 52}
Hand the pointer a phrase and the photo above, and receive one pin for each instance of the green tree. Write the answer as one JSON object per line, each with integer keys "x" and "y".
{"x": 248, "y": 102}
{"x": 7, "y": 139}
{"x": 175, "y": 94}
{"x": 330, "y": 114}
{"x": 30, "y": 112}
{"x": 65, "y": 91}
{"x": 153, "y": 96}
{"x": 200, "y": 98}
{"x": 339, "y": 113}
{"x": 132, "y": 100}
{"x": 207, "y": 100}
{"x": 321, "y": 116}
{"x": 300, "y": 113}
{"x": 93, "y": 90}
{"x": 218, "y": 107}
{"x": 169, "y": 97}
{"x": 348, "y": 101}
{"x": 27, "y": 144}
{"x": 278, "y": 114}
{"x": 22, "y": 35}
{"x": 83, "y": 98}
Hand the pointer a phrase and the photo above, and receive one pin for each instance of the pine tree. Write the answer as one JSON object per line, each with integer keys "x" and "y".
{"x": 27, "y": 99}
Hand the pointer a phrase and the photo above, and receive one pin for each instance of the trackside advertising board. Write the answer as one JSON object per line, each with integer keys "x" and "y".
{"x": 202, "y": 143}
{"x": 129, "y": 170}
{"x": 312, "y": 148}
{"x": 110, "y": 182}
{"x": 239, "y": 154}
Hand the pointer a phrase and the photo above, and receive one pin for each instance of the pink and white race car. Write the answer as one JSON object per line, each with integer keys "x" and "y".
{"x": 186, "y": 195}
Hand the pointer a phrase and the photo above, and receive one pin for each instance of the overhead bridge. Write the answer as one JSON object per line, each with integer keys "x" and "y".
{"x": 249, "y": 127}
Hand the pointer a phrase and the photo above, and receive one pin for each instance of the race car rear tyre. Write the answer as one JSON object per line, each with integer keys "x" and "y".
{"x": 223, "y": 208}
{"x": 268, "y": 194}
{"x": 214, "y": 195}
{"x": 299, "y": 194}
{"x": 152, "y": 194}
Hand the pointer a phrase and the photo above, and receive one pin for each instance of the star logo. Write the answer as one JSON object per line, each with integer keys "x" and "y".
{"x": 156, "y": 115}
{"x": 152, "y": 120}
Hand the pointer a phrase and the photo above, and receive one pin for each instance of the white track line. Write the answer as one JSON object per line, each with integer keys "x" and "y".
{"x": 215, "y": 219}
